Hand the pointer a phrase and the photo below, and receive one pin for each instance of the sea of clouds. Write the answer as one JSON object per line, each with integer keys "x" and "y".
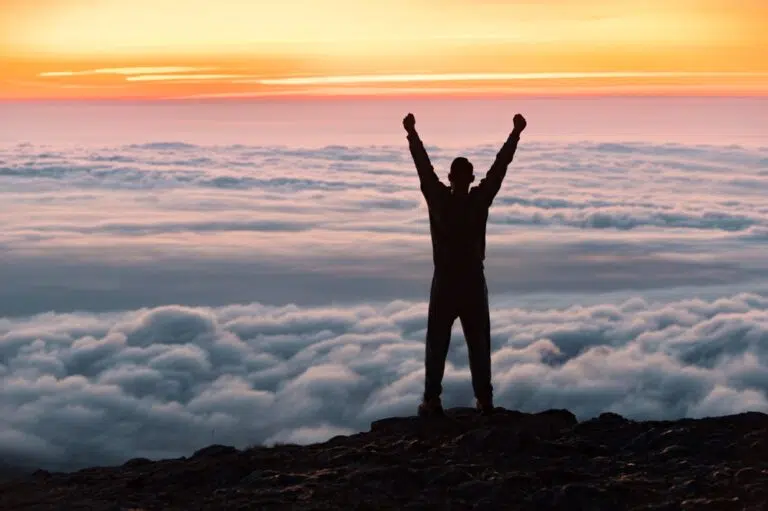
{"x": 156, "y": 298}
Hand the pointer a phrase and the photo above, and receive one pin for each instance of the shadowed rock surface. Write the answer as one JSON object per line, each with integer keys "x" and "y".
{"x": 511, "y": 460}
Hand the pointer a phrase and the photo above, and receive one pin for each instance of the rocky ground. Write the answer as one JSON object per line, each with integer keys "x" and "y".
{"x": 510, "y": 460}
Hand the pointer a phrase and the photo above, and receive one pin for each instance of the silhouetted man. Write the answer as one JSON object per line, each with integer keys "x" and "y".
{"x": 457, "y": 219}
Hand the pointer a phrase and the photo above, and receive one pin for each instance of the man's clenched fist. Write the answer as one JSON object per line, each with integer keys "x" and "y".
{"x": 409, "y": 123}
{"x": 520, "y": 123}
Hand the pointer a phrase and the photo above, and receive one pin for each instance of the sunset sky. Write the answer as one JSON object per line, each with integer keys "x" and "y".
{"x": 238, "y": 48}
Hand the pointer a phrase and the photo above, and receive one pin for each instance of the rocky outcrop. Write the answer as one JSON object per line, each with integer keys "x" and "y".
{"x": 510, "y": 460}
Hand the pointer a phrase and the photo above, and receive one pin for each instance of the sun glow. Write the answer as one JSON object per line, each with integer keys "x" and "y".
{"x": 175, "y": 48}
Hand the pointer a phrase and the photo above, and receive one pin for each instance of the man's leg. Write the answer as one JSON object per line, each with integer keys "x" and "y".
{"x": 476, "y": 323}
{"x": 442, "y": 314}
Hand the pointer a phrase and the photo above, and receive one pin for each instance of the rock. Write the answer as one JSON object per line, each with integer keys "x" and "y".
{"x": 473, "y": 490}
{"x": 561, "y": 475}
{"x": 485, "y": 505}
{"x": 674, "y": 451}
{"x": 214, "y": 450}
{"x": 611, "y": 418}
{"x": 749, "y": 475}
{"x": 270, "y": 479}
{"x": 447, "y": 476}
{"x": 666, "y": 506}
{"x": 640, "y": 442}
{"x": 573, "y": 497}
{"x": 708, "y": 504}
{"x": 486, "y": 439}
{"x": 510, "y": 460}
{"x": 137, "y": 462}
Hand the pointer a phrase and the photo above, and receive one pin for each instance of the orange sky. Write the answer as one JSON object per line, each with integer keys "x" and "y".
{"x": 240, "y": 48}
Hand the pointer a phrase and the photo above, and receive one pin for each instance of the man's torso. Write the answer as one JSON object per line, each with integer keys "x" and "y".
{"x": 457, "y": 224}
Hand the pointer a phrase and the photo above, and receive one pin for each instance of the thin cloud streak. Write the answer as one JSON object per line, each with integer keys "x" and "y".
{"x": 126, "y": 71}
{"x": 451, "y": 77}
{"x": 165, "y": 78}
{"x": 52, "y": 85}
{"x": 364, "y": 91}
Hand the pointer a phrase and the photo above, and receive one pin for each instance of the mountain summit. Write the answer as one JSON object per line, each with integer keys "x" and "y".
{"x": 509, "y": 460}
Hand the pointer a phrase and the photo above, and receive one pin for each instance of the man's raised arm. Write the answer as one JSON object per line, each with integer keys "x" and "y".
{"x": 429, "y": 180}
{"x": 491, "y": 184}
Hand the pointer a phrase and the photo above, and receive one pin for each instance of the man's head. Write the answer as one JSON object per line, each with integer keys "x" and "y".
{"x": 461, "y": 174}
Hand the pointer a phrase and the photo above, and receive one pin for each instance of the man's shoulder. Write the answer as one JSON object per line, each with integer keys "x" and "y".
{"x": 476, "y": 191}
{"x": 478, "y": 197}
{"x": 437, "y": 193}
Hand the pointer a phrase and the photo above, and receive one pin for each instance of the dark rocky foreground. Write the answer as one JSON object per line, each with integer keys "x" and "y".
{"x": 508, "y": 461}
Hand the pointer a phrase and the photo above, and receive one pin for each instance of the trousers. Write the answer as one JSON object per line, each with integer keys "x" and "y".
{"x": 463, "y": 296}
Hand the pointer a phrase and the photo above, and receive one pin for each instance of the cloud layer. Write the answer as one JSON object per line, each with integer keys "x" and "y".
{"x": 83, "y": 389}
{"x": 96, "y": 367}
{"x": 113, "y": 228}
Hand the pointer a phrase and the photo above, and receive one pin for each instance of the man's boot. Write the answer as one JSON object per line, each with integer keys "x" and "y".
{"x": 484, "y": 405}
{"x": 431, "y": 407}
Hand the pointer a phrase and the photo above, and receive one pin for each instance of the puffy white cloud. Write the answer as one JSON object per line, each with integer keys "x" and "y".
{"x": 82, "y": 388}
